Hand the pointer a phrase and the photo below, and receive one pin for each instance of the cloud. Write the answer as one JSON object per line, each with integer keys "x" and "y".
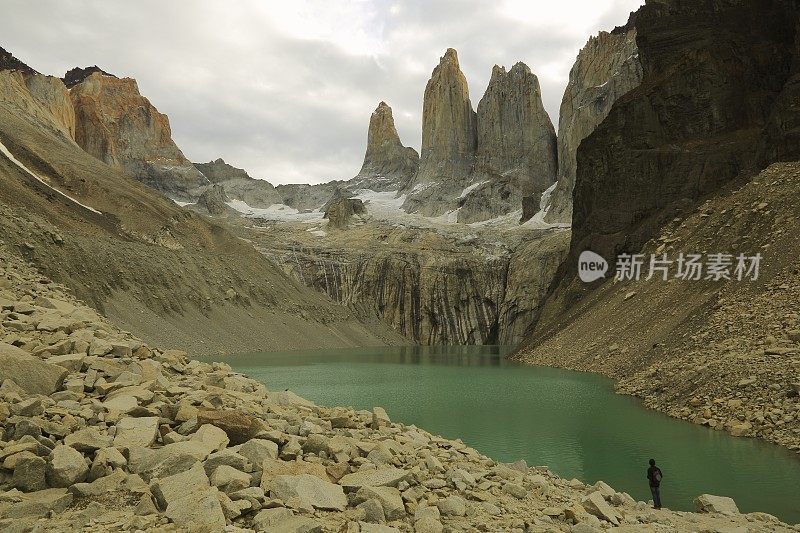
{"x": 285, "y": 89}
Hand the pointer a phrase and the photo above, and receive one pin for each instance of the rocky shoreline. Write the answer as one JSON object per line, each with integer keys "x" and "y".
{"x": 104, "y": 433}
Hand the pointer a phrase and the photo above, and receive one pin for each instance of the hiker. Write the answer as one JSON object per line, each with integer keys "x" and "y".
{"x": 654, "y": 476}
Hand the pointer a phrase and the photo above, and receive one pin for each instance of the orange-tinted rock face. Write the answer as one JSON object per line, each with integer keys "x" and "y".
{"x": 117, "y": 125}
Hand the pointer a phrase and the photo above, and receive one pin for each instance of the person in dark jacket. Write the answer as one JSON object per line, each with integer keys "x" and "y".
{"x": 654, "y": 476}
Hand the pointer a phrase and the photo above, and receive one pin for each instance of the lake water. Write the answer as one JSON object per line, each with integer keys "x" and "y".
{"x": 572, "y": 422}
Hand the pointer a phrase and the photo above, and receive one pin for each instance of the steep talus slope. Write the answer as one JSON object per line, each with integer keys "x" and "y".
{"x": 164, "y": 272}
{"x": 715, "y": 106}
{"x": 120, "y": 127}
{"x": 102, "y": 432}
{"x": 606, "y": 68}
{"x": 433, "y": 286}
{"x": 516, "y": 159}
{"x": 719, "y": 353}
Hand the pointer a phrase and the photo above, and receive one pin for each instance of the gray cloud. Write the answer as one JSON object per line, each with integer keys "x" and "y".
{"x": 285, "y": 89}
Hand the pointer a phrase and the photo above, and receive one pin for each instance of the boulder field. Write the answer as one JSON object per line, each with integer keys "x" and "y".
{"x": 100, "y": 432}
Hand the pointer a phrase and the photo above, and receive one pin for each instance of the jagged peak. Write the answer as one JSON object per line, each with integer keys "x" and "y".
{"x": 9, "y": 62}
{"x": 450, "y": 56}
{"x": 628, "y": 26}
{"x": 77, "y": 75}
{"x": 383, "y": 109}
{"x": 521, "y": 67}
{"x": 498, "y": 71}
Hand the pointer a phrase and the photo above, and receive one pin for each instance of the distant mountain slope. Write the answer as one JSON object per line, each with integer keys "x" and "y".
{"x": 168, "y": 274}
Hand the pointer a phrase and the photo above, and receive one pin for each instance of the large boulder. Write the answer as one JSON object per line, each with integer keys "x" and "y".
{"x": 198, "y": 511}
{"x": 88, "y": 440}
{"x": 239, "y": 426}
{"x": 708, "y": 503}
{"x": 30, "y": 474}
{"x": 389, "y": 497}
{"x": 259, "y": 450}
{"x": 595, "y": 504}
{"x": 67, "y": 467}
{"x": 320, "y": 494}
{"x": 33, "y": 375}
{"x": 133, "y": 431}
{"x": 171, "y": 488}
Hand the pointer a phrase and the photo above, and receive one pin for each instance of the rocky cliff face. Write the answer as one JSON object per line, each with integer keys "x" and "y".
{"x": 714, "y": 74}
{"x": 449, "y": 140}
{"x": 606, "y": 68}
{"x": 388, "y": 165}
{"x": 11, "y": 63}
{"x": 218, "y": 171}
{"x": 117, "y": 125}
{"x": 516, "y": 146}
{"x": 431, "y": 287}
{"x": 77, "y": 75}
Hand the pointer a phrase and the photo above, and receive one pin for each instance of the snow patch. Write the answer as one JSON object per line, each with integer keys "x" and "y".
{"x": 14, "y": 160}
{"x": 537, "y": 220}
{"x": 471, "y": 188}
{"x": 281, "y": 212}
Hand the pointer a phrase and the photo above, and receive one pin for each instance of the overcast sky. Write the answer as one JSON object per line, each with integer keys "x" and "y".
{"x": 285, "y": 89}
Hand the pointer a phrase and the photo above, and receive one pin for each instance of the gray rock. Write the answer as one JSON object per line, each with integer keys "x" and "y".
{"x": 30, "y": 474}
{"x": 428, "y": 525}
{"x": 67, "y": 467}
{"x": 380, "y": 418}
{"x": 389, "y": 497}
{"x": 33, "y": 375}
{"x": 517, "y": 491}
{"x": 211, "y": 437}
{"x": 88, "y": 440}
{"x": 228, "y": 479}
{"x": 708, "y": 503}
{"x": 198, "y": 511}
{"x": 229, "y": 457}
{"x": 268, "y": 518}
{"x": 140, "y": 432}
{"x": 159, "y": 463}
{"x": 452, "y": 506}
{"x": 596, "y": 505}
{"x": 321, "y": 494}
{"x": 373, "y": 510}
{"x": 257, "y": 450}
{"x": 175, "y": 487}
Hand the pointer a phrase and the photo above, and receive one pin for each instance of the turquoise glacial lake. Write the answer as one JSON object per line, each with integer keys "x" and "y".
{"x": 572, "y": 422}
